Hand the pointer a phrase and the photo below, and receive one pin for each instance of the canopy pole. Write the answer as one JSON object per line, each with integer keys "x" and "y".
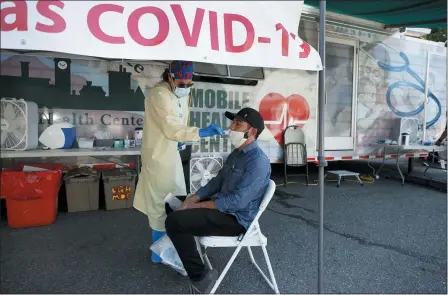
{"x": 425, "y": 113}
{"x": 321, "y": 155}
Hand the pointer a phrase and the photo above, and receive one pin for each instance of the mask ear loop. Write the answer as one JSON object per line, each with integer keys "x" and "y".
{"x": 246, "y": 134}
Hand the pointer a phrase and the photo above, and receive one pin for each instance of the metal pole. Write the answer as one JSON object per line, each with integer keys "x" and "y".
{"x": 425, "y": 115}
{"x": 321, "y": 155}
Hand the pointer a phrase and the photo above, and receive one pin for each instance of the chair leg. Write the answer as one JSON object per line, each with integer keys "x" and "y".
{"x": 191, "y": 289}
{"x": 271, "y": 271}
{"x": 307, "y": 178}
{"x": 203, "y": 255}
{"x": 198, "y": 247}
{"x": 285, "y": 177}
{"x": 207, "y": 261}
{"x": 271, "y": 284}
{"x": 226, "y": 269}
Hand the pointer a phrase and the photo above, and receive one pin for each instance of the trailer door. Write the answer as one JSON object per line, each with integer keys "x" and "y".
{"x": 341, "y": 77}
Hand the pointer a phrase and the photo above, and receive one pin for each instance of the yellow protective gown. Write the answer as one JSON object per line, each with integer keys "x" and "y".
{"x": 165, "y": 124}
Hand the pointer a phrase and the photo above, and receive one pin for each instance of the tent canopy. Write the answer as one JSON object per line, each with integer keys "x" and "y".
{"x": 393, "y": 14}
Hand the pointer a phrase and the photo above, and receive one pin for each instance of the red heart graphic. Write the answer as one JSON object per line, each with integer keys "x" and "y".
{"x": 279, "y": 112}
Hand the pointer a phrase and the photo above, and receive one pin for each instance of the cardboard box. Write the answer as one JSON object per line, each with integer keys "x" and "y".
{"x": 82, "y": 188}
{"x": 119, "y": 187}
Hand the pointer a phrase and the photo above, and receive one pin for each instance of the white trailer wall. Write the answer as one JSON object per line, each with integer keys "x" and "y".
{"x": 357, "y": 110}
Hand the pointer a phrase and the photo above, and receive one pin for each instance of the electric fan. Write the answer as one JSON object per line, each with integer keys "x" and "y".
{"x": 202, "y": 170}
{"x": 411, "y": 127}
{"x": 19, "y": 124}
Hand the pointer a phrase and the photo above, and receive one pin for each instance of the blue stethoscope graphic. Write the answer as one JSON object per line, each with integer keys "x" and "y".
{"x": 404, "y": 84}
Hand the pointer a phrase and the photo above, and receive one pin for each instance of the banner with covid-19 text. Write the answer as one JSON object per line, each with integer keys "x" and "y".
{"x": 244, "y": 33}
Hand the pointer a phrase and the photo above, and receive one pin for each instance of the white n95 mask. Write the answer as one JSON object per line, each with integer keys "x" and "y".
{"x": 181, "y": 92}
{"x": 237, "y": 138}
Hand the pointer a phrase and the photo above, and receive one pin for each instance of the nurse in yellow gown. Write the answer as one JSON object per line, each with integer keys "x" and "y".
{"x": 165, "y": 125}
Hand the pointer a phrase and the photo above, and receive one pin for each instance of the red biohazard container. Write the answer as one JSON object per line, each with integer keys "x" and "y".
{"x": 31, "y": 197}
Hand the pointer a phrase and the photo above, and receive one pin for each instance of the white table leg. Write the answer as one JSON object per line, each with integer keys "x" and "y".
{"x": 384, "y": 161}
{"x": 398, "y": 166}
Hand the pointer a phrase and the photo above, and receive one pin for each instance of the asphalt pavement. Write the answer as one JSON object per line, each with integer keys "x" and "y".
{"x": 433, "y": 176}
{"x": 379, "y": 238}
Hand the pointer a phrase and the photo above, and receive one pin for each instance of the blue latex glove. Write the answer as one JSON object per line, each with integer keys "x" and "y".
{"x": 211, "y": 130}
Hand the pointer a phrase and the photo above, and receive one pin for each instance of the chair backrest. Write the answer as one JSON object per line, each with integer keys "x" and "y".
{"x": 267, "y": 195}
{"x": 263, "y": 205}
{"x": 293, "y": 134}
{"x": 294, "y": 146}
{"x": 295, "y": 154}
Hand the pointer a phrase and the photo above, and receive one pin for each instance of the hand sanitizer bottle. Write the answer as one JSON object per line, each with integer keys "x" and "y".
{"x": 127, "y": 142}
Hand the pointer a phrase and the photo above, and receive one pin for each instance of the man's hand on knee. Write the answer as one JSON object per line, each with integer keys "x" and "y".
{"x": 189, "y": 202}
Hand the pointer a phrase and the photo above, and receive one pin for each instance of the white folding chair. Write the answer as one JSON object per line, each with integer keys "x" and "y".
{"x": 252, "y": 238}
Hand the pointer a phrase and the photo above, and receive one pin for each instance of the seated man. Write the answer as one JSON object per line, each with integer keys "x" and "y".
{"x": 239, "y": 188}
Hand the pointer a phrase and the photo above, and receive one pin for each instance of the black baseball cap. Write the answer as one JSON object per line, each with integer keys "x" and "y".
{"x": 249, "y": 115}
